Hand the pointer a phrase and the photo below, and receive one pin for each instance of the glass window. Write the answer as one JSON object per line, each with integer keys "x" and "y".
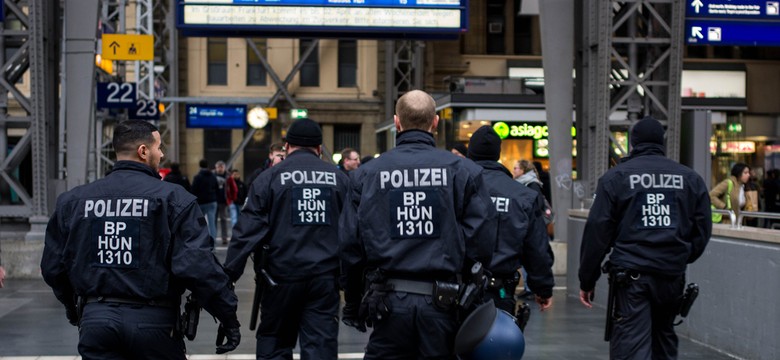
{"x": 310, "y": 71}
{"x": 346, "y": 135}
{"x": 255, "y": 72}
{"x": 347, "y": 63}
{"x": 217, "y": 61}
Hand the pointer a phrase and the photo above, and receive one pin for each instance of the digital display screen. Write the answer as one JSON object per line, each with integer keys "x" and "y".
{"x": 216, "y": 116}
{"x": 324, "y": 18}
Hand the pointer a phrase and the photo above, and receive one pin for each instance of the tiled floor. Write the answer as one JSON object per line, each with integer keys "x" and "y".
{"x": 33, "y": 326}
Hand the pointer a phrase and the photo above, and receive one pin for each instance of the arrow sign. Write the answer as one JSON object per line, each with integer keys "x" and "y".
{"x": 697, "y": 4}
{"x": 113, "y": 46}
{"x": 127, "y": 47}
{"x": 696, "y": 32}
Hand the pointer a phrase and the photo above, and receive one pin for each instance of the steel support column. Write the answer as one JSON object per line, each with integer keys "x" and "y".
{"x": 631, "y": 63}
{"x": 404, "y": 61}
{"x": 80, "y": 33}
{"x": 557, "y": 28}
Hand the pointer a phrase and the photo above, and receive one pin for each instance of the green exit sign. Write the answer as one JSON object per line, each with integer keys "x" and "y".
{"x": 299, "y": 113}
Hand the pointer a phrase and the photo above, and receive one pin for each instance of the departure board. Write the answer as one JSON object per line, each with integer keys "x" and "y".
{"x": 324, "y": 18}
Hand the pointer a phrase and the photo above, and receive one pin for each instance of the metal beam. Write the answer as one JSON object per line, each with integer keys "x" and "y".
{"x": 631, "y": 60}
{"x": 80, "y": 33}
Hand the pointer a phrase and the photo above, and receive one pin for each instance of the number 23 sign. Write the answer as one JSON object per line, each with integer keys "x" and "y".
{"x": 124, "y": 95}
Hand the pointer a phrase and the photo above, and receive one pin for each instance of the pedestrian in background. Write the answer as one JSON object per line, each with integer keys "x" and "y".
{"x": 176, "y": 177}
{"x": 729, "y": 194}
{"x": 226, "y": 194}
{"x": 275, "y": 156}
{"x": 654, "y": 215}
{"x": 522, "y": 234}
{"x": 241, "y": 192}
{"x": 205, "y": 188}
{"x": 2, "y": 273}
{"x": 350, "y": 160}
{"x": 407, "y": 257}
{"x": 293, "y": 210}
{"x": 459, "y": 149}
{"x": 124, "y": 248}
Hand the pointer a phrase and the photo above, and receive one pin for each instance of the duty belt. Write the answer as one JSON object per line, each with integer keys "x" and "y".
{"x": 119, "y": 300}
{"x": 411, "y": 286}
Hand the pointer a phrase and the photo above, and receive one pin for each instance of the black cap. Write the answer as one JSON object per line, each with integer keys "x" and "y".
{"x": 304, "y": 132}
{"x": 647, "y": 130}
{"x": 485, "y": 144}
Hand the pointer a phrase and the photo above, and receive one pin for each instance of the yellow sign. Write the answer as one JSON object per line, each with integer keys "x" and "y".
{"x": 128, "y": 47}
{"x": 272, "y": 112}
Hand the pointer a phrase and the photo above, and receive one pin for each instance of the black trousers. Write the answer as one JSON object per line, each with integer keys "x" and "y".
{"x": 121, "y": 331}
{"x": 309, "y": 308}
{"x": 506, "y": 303}
{"x": 415, "y": 329}
{"x": 645, "y": 309}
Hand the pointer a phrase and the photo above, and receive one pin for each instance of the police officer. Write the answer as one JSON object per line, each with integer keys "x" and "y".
{"x": 416, "y": 218}
{"x": 654, "y": 214}
{"x": 124, "y": 248}
{"x": 522, "y": 234}
{"x": 293, "y": 208}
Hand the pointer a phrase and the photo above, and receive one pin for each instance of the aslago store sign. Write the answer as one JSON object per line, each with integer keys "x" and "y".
{"x": 522, "y": 130}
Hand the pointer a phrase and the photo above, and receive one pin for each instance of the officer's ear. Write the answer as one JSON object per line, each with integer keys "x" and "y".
{"x": 397, "y": 123}
{"x": 435, "y": 124}
{"x": 142, "y": 151}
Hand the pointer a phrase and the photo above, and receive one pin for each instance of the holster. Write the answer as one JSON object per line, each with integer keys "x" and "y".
{"x": 190, "y": 318}
{"x": 688, "y": 298}
{"x": 618, "y": 276}
{"x": 522, "y": 316}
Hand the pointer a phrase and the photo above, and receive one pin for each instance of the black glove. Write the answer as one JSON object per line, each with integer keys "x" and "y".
{"x": 374, "y": 306}
{"x": 72, "y": 314}
{"x": 227, "y": 339}
{"x": 351, "y": 317}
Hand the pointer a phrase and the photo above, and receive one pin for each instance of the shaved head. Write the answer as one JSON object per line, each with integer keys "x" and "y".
{"x": 416, "y": 110}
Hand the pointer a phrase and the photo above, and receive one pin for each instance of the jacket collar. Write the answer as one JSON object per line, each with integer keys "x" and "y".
{"x": 645, "y": 149}
{"x": 134, "y": 166}
{"x": 415, "y": 136}
{"x": 494, "y": 166}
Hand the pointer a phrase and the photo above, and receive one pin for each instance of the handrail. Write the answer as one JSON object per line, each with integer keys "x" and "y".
{"x": 755, "y": 214}
{"x": 730, "y": 213}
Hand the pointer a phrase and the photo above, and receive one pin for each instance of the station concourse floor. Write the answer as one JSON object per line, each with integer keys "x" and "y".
{"x": 33, "y": 327}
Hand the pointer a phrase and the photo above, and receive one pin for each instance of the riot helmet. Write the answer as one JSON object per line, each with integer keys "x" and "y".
{"x": 489, "y": 334}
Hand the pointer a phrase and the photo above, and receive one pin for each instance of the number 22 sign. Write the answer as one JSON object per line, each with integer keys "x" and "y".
{"x": 116, "y": 95}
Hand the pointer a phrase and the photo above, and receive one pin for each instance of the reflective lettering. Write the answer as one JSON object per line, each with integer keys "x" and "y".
{"x": 408, "y": 178}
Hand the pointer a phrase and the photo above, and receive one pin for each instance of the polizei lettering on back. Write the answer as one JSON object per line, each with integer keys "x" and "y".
{"x": 116, "y": 208}
{"x": 655, "y": 181}
{"x": 409, "y": 178}
{"x": 299, "y": 177}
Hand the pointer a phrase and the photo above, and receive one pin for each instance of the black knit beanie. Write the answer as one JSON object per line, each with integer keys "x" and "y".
{"x": 304, "y": 132}
{"x": 485, "y": 144}
{"x": 647, "y": 130}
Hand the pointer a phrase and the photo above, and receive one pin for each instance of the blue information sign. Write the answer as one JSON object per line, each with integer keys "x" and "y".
{"x": 745, "y": 33}
{"x": 420, "y": 19}
{"x": 216, "y": 116}
{"x": 732, "y": 22}
{"x": 116, "y": 95}
{"x": 733, "y": 9}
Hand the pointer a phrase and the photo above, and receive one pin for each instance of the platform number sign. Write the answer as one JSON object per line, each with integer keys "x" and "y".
{"x": 116, "y": 95}
{"x": 145, "y": 110}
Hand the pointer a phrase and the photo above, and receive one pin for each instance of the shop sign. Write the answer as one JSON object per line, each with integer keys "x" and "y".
{"x": 734, "y": 147}
{"x": 517, "y": 130}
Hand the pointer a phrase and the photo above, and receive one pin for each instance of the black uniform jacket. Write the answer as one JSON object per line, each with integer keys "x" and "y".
{"x": 130, "y": 235}
{"x": 653, "y": 212}
{"x": 416, "y": 210}
{"x": 293, "y": 207}
{"x": 522, "y": 234}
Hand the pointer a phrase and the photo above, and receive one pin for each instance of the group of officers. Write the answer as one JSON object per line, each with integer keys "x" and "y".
{"x": 406, "y": 237}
